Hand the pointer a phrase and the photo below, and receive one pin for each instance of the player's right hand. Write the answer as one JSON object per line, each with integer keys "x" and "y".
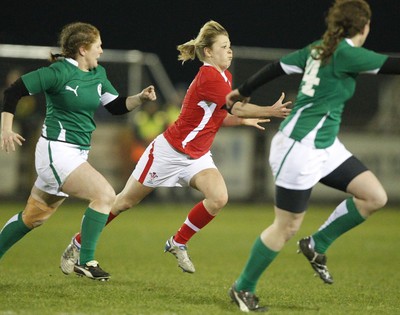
{"x": 8, "y": 137}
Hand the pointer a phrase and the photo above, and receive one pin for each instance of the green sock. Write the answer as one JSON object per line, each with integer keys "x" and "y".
{"x": 92, "y": 224}
{"x": 343, "y": 218}
{"x": 12, "y": 232}
{"x": 260, "y": 258}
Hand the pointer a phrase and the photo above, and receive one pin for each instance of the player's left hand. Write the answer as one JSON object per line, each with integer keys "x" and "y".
{"x": 148, "y": 94}
{"x": 280, "y": 109}
{"x": 255, "y": 122}
{"x": 234, "y": 96}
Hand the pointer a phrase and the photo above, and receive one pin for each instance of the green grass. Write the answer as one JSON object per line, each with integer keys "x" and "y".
{"x": 364, "y": 264}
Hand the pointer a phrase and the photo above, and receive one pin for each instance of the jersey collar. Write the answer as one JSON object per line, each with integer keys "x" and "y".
{"x": 221, "y": 72}
{"x": 72, "y": 61}
{"x": 349, "y": 41}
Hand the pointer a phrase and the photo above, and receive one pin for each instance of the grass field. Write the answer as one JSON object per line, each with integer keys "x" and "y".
{"x": 363, "y": 262}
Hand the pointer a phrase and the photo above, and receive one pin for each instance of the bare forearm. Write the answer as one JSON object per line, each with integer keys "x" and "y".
{"x": 6, "y": 121}
{"x": 232, "y": 120}
{"x": 249, "y": 110}
{"x": 133, "y": 101}
{"x": 148, "y": 94}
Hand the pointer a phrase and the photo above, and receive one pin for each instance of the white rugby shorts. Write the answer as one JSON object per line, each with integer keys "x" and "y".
{"x": 54, "y": 161}
{"x": 163, "y": 166}
{"x": 299, "y": 166}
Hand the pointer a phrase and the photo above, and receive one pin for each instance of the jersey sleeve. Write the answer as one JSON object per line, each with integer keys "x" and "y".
{"x": 295, "y": 62}
{"x": 108, "y": 92}
{"x": 40, "y": 80}
{"x": 360, "y": 60}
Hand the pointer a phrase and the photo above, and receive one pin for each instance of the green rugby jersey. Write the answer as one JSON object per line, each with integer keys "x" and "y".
{"x": 324, "y": 89}
{"x": 72, "y": 97}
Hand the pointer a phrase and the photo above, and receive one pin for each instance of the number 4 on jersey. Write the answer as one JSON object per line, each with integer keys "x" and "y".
{"x": 310, "y": 78}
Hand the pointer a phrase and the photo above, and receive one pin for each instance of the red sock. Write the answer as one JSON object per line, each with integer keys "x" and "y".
{"x": 111, "y": 217}
{"x": 197, "y": 218}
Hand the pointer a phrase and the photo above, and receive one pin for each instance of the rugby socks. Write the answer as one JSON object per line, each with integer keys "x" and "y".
{"x": 343, "y": 218}
{"x": 93, "y": 223}
{"x": 77, "y": 239}
{"x": 12, "y": 232}
{"x": 197, "y": 218}
{"x": 260, "y": 258}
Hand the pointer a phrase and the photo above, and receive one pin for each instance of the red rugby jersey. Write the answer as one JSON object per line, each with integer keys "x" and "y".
{"x": 201, "y": 114}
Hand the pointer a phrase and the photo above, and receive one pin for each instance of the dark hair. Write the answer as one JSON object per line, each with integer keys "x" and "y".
{"x": 345, "y": 19}
{"x": 73, "y": 36}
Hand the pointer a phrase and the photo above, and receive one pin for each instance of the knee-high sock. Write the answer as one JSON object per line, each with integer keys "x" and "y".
{"x": 197, "y": 218}
{"x": 343, "y": 218}
{"x": 260, "y": 258}
{"x": 77, "y": 240}
{"x": 92, "y": 224}
{"x": 12, "y": 232}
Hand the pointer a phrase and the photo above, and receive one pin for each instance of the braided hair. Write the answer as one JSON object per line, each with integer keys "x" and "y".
{"x": 345, "y": 19}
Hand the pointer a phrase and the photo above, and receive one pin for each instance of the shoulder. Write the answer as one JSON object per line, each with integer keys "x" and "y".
{"x": 349, "y": 52}
{"x": 208, "y": 73}
{"x": 345, "y": 50}
{"x": 299, "y": 57}
{"x": 61, "y": 67}
{"x": 100, "y": 69}
{"x": 357, "y": 59}
{"x": 100, "y": 73}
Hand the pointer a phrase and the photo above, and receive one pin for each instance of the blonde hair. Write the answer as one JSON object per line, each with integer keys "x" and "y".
{"x": 345, "y": 19}
{"x": 73, "y": 36}
{"x": 206, "y": 38}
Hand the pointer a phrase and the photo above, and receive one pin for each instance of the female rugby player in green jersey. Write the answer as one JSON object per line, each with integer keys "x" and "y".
{"x": 75, "y": 85}
{"x": 306, "y": 149}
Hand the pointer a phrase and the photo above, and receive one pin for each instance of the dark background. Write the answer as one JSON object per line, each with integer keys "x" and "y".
{"x": 158, "y": 26}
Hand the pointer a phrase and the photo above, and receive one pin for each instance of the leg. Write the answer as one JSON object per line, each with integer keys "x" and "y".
{"x": 39, "y": 208}
{"x": 267, "y": 247}
{"x": 369, "y": 194}
{"x": 211, "y": 183}
{"x": 289, "y": 214}
{"x": 131, "y": 195}
{"x": 87, "y": 183}
{"x": 368, "y": 197}
{"x": 264, "y": 251}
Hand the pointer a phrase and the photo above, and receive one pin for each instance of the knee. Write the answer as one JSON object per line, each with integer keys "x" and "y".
{"x": 123, "y": 203}
{"x": 377, "y": 201}
{"x": 107, "y": 197}
{"x": 290, "y": 231}
{"x": 221, "y": 201}
{"x": 286, "y": 230}
{"x": 36, "y": 213}
{"x": 215, "y": 204}
{"x": 382, "y": 200}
